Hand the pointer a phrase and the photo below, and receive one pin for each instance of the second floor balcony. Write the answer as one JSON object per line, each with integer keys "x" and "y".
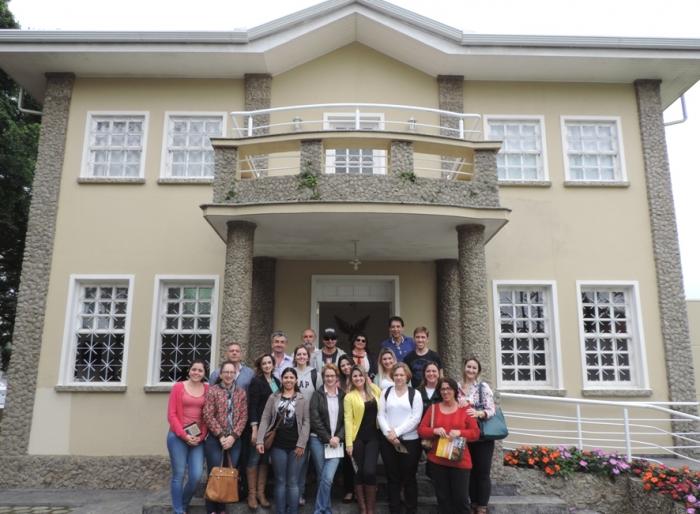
{"x": 356, "y": 152}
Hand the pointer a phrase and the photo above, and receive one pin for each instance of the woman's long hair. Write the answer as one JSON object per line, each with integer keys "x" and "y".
{"x": 381, "y": 375}
{"x": 344, "y": 381}
{"x": 258, "y": 363}
{"x": 367, "y": 387}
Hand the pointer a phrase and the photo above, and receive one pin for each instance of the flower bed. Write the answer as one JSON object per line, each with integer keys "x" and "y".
{"x": 681, "y": 485}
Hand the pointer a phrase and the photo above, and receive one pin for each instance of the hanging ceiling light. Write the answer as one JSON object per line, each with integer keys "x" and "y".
{"x": 355, "y": 262}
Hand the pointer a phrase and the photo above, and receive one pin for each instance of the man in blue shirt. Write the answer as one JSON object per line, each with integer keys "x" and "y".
{"x": 243, "y": 373}
{"x": 401, "y": 345}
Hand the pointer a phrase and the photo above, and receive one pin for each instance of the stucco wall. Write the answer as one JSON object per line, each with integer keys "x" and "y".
{"x": 556, "y": 233}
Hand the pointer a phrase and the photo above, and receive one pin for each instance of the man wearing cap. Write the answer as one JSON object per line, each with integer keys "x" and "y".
{"x": 329, "y": 352}
{"x": 278, "y": 343}
{"x": 401, "y": 345}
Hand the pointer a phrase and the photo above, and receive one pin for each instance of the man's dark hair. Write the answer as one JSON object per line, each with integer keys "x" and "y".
{"x": 396, "y": 318}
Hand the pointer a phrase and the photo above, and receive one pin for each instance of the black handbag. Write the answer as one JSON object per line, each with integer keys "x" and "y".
{"x": 493, "y": 428}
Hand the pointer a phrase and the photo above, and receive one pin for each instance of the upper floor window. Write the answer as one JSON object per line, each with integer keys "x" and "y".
{"x": 526, "y": 334}
{"x": 522, "y": 156}
{"x": 613, "y": 349}
{"x": 188, "y": 150}
{"x": 593, "y": 150}
{"x": 355, "y": 161}
{"x": 97, "y": 330}
{"x": 185, "y": 325}
{"x": 115, "y": 145}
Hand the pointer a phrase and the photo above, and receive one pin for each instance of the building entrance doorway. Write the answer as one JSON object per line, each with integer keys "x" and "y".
{"x": 354, "y": 303}
{"x": 351, "y": 318}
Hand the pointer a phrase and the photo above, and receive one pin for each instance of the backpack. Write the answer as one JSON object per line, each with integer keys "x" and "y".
{"x": 411, "y": 394}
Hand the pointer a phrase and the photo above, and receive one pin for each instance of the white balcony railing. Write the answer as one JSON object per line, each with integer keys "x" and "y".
{"x": 634, "y": 429}
{"x": 358, "y": 116}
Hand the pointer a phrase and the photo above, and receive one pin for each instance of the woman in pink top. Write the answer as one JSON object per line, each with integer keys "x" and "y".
{"x": 187, "y": 431}
{"x": 448, "y": 421}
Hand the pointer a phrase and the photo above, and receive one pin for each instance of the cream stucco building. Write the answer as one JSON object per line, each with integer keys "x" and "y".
{"x": 511, "y": 193}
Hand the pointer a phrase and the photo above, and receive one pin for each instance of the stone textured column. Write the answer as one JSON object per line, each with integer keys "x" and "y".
{"x": 311, "y": 156}
{"x": 36, "y": 266}
{"x": 400, "y": 157}
{"x": 262, "y": 316}
{"x": 448, "y": 319}
{"x": 473, "y": 299}
{"x": 485, "y": 180}
{"x": 225, "y": 168}
{"x": 669, "y": 278}
{"x": 237, "y": 303}
{"x": 450, "y": 98}
{"x": 258, "y": 94}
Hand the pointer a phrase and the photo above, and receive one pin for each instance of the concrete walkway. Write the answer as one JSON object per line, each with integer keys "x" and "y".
{"x": 73, "y": 501}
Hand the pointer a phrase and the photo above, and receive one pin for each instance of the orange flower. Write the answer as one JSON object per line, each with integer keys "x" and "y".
{"x": 531, "y": 462}
{"x": 545, "y": 460}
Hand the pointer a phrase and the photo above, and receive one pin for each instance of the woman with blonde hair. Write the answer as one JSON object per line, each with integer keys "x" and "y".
{"x": 360, "y": 407}
{"x": 385, "y": 363}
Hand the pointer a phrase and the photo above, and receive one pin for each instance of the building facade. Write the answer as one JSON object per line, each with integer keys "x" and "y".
{"x": 343, "y": 164}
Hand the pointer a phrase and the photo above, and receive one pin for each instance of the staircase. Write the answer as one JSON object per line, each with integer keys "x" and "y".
{"x": 504, "y": 500}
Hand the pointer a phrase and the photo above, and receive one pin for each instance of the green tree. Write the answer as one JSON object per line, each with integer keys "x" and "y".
{"x": 19, "y": 135}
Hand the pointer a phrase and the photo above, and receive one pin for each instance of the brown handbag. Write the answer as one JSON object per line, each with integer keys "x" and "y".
{"x": 427, "y": 444}
{"x": 222, "y": 486}
{"x": 269, "y": 437}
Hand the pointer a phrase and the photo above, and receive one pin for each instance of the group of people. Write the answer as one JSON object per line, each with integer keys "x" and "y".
{"x": 335, "y": 409}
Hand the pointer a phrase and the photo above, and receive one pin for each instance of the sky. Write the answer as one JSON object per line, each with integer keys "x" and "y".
{"x": 641, "y": 18}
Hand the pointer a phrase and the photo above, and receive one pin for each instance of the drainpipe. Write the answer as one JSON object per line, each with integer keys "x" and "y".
{"x": 22, "y": 109}
{"x": 685, "y": 114}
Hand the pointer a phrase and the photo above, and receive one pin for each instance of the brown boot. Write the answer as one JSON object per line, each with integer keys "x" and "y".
{"x": 262, "y": 482}
{"x": 252, "y": 475}
{"x": 371, "y": 498}
{"x": 360, "y": 497}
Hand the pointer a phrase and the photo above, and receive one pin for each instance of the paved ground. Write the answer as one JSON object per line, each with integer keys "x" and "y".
{"x": 68, "y": 501}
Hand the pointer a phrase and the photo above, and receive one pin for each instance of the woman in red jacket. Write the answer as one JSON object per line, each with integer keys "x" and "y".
{"x": 449, "y": 426}
{"x": 187, "y": 431}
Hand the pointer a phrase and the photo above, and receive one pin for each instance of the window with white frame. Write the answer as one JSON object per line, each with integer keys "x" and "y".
{"x": 611, "y": 342}
{"x": 355, "y": 161}
{"x": 521, "y": 157}
{"x": 98, "y": 332}
{"x": 593, "y": 150}
{"x": 189, "y": 153}
{"x": 526, "y": 335}
{"x": 115, "y": 145}
{"x": 185, "y": 327}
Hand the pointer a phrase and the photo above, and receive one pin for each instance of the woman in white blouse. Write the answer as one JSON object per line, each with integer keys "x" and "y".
{"x": 400, "y": 412}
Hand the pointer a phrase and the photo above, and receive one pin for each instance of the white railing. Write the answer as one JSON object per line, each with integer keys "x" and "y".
{"x": 632, "y": 428}
{"x": 288, "y": 163}
{"x": 358, "y": 116}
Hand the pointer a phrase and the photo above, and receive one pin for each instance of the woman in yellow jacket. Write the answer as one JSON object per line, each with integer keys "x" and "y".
{"x": 362, "y": 436}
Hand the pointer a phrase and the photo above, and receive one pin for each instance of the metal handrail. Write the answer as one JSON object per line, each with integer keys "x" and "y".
{"x": 628, "y": 427}
{"x": 250, "y": 115}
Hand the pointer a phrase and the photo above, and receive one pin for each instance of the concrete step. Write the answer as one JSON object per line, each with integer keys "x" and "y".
{"x": 426, "y": 505}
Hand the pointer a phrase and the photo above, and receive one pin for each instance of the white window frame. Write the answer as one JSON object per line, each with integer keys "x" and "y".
{"x": 638, "y": 362}
{"x": 160, "y": 283}
{"x": 555, "y": 369}
{"x": 544, "y": 168}
{"x": 86, "y": 172}
{"x": 378, "y": 155}
{"x": 621, "y": 167}
{"x": 165, "y": 168}
{"x": 67, "y": 364}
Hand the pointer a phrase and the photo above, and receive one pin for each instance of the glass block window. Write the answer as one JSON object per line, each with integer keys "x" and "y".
{"x": 521, "y": 156}
{"x": 99, "y": 333}
{"x": 608, "y": 327}
{"x": 115, "y": 146}
{"x": 592, "y": 150}
{"x": 185, "y": 328}
{"x": 189, "y": 151}
{"x": 525, "y": 339}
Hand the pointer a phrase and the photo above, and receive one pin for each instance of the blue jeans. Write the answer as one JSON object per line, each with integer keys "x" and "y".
{"x": 286, "y": 466}
{"x": 184, "y": 457}
{"x": 325, "y": 469}
{"x": 214, "y": 452}
{"x": 303, "y": 472}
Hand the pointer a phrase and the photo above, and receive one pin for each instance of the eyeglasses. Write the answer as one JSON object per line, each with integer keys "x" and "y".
{"x": 361, "y": 340}
{"x": 330, "y": 338}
